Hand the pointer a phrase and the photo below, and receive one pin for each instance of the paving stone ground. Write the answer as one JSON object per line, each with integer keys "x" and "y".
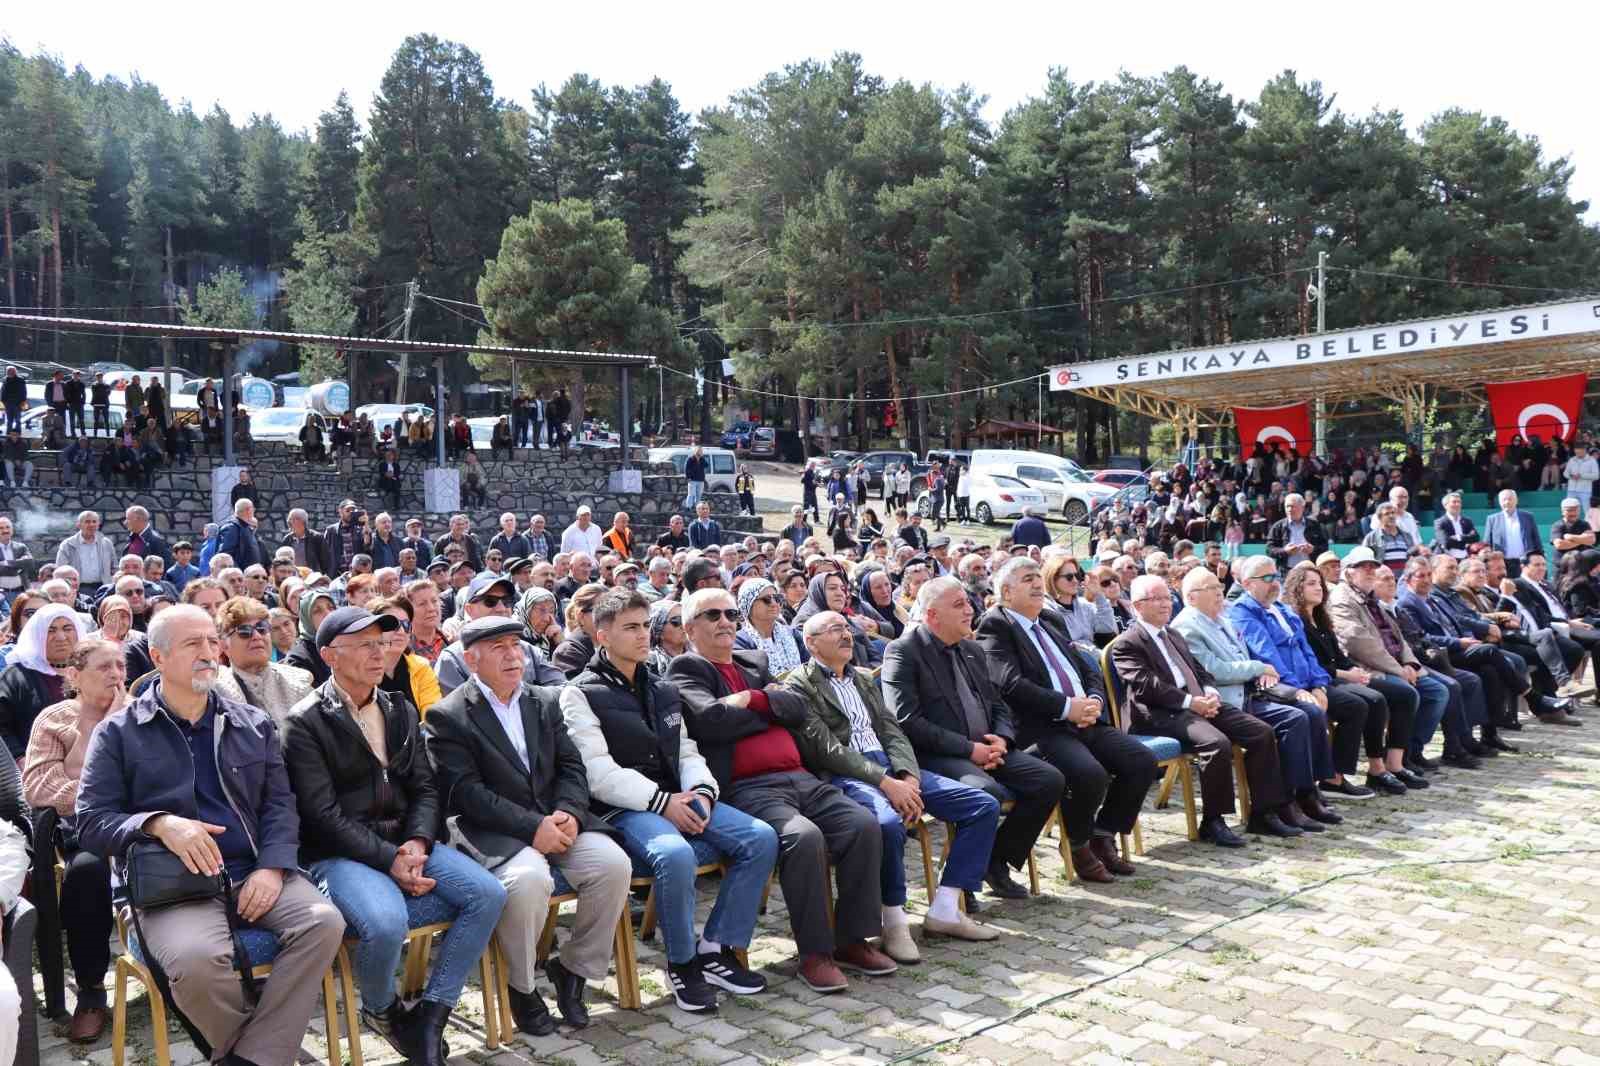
{"x": 1458, "y": 925}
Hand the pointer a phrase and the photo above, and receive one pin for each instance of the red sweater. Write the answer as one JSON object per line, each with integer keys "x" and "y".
{"x": 771, "y": 752}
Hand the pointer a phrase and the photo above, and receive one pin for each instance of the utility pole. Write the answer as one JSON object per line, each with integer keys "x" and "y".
{"x": 405, "y": 334}
{"x": 1320, "y": 412}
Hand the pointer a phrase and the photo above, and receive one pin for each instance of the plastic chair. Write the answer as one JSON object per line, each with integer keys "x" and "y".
{"x": 1175, "y": 764}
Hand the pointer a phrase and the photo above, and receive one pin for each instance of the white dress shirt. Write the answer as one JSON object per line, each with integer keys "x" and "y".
{"x": 1515, "y": 549}
{"x": 510, "y": 718}
{"x": 1039, "y": 636}
{"x": 574, "y": 539}
{"x": 1177, "y": 673}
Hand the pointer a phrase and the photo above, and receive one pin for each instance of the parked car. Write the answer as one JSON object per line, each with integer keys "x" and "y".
{"x": 33, "y": 419}
{"x": 764, "y": 443}
{"x": 283, "y": 424}
{"x": 721, "y": 464}
{"x": 1118, "y": 478}
{"x": 879, "y": 462}
{"x": 993, "y": 496}
{"x": 1067, "y": 489}
{"x": 738, "y": 435}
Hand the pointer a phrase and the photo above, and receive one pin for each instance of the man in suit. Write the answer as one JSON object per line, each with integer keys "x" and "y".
{"x": 1538, "y": 648}
{"x": 1297, "y": 717}
{"x": 648, "y": 778}
{"x": 517, "y": 797}
{"x": 1453, "y": 532}
{"x": 1168, "y": 693}
{"x": 936, "y": 682}
{"x": 143, "y": 540}
{"x": 1533, "y": 591}
{"x": 742, "y": 718}
{"x": 1294, "y": 538}
{"x": 1057, "y": 698}
{"x": 310, "y": 549}
{"x": 1511, "y": 532}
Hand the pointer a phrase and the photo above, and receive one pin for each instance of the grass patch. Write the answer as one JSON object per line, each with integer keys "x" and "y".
{"x": 1229, "y": 952}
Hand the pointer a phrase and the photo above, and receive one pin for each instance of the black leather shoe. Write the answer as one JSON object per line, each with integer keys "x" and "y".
{"x": 1414, "y": 782}
{"x": 569, "y": 993}
{"x": 395, "y": 1025}
{"x": 1312, "y": 807}
{"x": 1479, "y": 749}
{"x": 1462, "y": 760}
{"x": 1422, "y": 763}
{"x": 1496, "y": 744}
{"x": 530, "y": 1013}
{"x": 970, "y": 898}
{"x": 1387, "y": 783}
{"x": 1217, "y": 831}
{"x": 429, "y": 1018}
{"x": 1002, "y": 884}
{"x": 1271, "y": 825}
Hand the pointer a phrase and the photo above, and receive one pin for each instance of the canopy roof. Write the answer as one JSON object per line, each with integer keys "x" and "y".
{"x": 1396, "y": 360}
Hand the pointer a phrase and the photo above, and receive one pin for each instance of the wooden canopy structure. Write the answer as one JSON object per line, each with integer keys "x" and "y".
{"x": 1015, "y": 434}
{"x": 1408, "y": 363}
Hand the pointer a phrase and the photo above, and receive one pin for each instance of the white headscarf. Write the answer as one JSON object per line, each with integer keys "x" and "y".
{"x": 30, "y": 645}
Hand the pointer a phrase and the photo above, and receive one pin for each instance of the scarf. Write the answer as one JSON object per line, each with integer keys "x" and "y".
{"x": 30, "y": 645}
{"x": 307, "y": 601}
{"x": 782, "y": 651}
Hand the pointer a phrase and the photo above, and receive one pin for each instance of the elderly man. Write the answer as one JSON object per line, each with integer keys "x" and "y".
{"x": 386, "y": 544}
{"x": 540, "y": 545}
{"x": 460, "y": 533}
{"x": 1540, "y": 601}
{"x": 237, "y": 536}
{"x": 143, "y": 540}
{"x": 583, "y": 535}
{"x": 1538, "y": 648}
{"x": 519, "y": 803}
{"x": 418, "y": 543}
{"x": 491, "y": 595}
{"x": 659, "y": 579}
{"x": 1058, "y": 701}
{"x": 371, "y": 817}
{"x": 851, "y": 736}
{"x": 619, "y": 538}
{"x": 704, "y": 531}
{"x": 648, "y": 778}
{"x": 203, "y": 776}
{"x": 1294, "y": 538}
{"x": 1453, "y": 532}
{"x": 34, "y": 677}
{"x": 937, "y": 684}
{"x": 1030, "y": 528}
{"x": 1511, "y": 532}
{"x": 1401, "y": 498}
{"x": 251, "y": 676}
{"x": 508, "y": 540}
{"x": 1170, "y": 694}
{"x": 742, "y": 721}
{"x": 1297, "y": 715}
{"x": 1571, "y": 532}
{"x": 1370, "y": 637}
{"x": 89, "y": 552}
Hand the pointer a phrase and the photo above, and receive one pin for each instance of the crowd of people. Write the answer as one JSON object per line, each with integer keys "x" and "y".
{"x": 371, "y": 725}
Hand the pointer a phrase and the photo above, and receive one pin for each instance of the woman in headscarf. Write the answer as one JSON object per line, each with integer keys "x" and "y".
{"x": 537, "y": 609}
{"x": 115, "y": 618}
{"x": 23, "y": 607}
{"x": 829, "y": 592}
{"x": 315, "y": 605}
{"x": 877, "y": 594}
{"x": 34, "y": 678}
{"x": 764, "y": 628}
{"x": 667, "y": 638}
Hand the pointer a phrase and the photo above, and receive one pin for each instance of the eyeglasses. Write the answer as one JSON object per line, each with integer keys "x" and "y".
{"x": 361, "y": 647}
{"x": 714, "y": 614}
{"x": 838, "y": 629}
{"x": 250, "y": 629}
{"x": 497, "y": 601}
{"x": 1108, "y": 582}
{"x": 768, "y": 598}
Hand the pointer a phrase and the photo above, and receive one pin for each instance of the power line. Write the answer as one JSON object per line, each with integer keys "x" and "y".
{"x": 445, "y": 304}
{"x": 853, "y": 399}
{"x": 1458, "y": 283}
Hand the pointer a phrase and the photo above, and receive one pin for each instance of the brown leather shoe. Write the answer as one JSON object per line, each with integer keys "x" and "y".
{"x": 1105, "y": 849}
{"x": 862, "y": 957}
{"x": 88, "y": 1023}
{"x": 821, "y": 975}
{"x": 1089, "y": 866}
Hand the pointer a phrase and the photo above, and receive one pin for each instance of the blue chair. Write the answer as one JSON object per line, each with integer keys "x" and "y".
{"x": 429, "y": 915}
{"x": 1170, "y": 757}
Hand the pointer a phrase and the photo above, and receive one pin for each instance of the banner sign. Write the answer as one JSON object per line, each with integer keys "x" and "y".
{"x": 1368, "y": 342}
{"x": 1290, "y": 424}
{"x": 1547, "y": 408}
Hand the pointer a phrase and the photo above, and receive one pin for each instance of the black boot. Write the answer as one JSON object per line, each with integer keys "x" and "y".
{"x": 397, "y": 1025}
{"x": 429, "y": 1019}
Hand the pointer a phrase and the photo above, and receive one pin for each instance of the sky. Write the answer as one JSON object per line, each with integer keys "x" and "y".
{"x": 292, "y": 58}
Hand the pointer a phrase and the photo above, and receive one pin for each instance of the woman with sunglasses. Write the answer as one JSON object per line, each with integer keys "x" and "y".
{"x": 667, "y": 638}
{"x": 1110, "y": 586}
{"x": 250, "y": 675}
{"x": 1089, "y": 617}
{"x": 23, "y": 607}
{"x": 405, "y": 673}
{"x": 764, "y": 628}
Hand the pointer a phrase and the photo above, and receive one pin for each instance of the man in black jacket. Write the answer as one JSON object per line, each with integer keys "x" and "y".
{"x": 100, "y": 402}
{"x": 518, "y": 801}
{"x": 1540, "y": 600}
{"x": 1056, "y": 695}
{"x": 144, "y": 541}
{"x": 741, "y": 719}
{"x": 1295, "y": 538}
{"x": 77, "y": 394}
{"x": 14, "y": 397}
{"x": 370, "y": 820}
{"x": 346, "y": 538}
{"x": 310, "y": 549}
{"x": 936, "y": 683}
{"x": 460, "y": 533}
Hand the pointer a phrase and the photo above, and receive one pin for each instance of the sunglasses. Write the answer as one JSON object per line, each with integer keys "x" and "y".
{"x": 768, "y": 598}
{"x": 1067, "y": 577}
{"x": 1108, "y": 582}
{"x": 497, "y": 601}
{"x": 675, "y": 622}
{"x": 715, "y": 614}
{"x": 250, "y": 629}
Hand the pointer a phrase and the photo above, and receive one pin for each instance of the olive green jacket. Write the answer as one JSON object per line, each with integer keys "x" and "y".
{"x": 824, "y": 742}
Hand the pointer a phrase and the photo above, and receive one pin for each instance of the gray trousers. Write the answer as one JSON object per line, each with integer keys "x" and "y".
{"x": 598, "y": 870}
{"x": 817, "y": 823}
{"x": 191, "y": 943}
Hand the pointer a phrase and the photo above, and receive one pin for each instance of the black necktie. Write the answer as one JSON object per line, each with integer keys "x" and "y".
{"x": 966, "y": 693}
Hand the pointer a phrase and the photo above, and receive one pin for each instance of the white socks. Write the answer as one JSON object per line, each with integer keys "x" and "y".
{"x": 946, "y": 904}
{"x": 894, "y": 916}
{"x": 708, "y": 947}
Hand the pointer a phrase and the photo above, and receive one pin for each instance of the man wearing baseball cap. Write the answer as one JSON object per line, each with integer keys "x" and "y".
{"x": 370, "y": 819}
{"x": 493, "y": 596}
{"x": 519, "y": 804}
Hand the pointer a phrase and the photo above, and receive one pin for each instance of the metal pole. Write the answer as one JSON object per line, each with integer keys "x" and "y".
{"x": 228, "y": 401}
{"x": 625, "y": 392}
{"x": 405, "y": 333}
{"x": 440, "y": 425}
{"x": 514, "y": 432}
{"x": 1321, "y": 409}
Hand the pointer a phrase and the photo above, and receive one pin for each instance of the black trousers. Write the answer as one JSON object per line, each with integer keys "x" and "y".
{"x": 1107, "y": 772}
{"x": 1212, "y": 741}
{"x": 817, "y": 822}
{"x": 1027, "y": 780}
{"x": 1351, "y": 710}
{"x": 1545, "y": 657}
{"x": 86, "y": 914}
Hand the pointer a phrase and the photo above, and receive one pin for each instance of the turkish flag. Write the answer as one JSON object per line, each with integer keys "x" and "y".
{"x": 1290, "y": 424}
{"x": 1547, "y": 408}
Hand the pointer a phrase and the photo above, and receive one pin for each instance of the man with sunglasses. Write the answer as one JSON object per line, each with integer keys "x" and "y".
{"x": 493, "y": 596}
{"x": 741, "y": 719}
{"x": 251, "y": 676}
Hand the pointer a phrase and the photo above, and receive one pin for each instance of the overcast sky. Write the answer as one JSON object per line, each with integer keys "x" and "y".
{"x": 292, "y": 58}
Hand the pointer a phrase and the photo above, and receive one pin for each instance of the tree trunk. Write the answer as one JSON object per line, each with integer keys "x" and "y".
{"x": 169, "y": 291}
{"x": 895, "y": 402}
{"x": 55, "y": 235}
{"x": 804, "y": 406}
{"x": 11, "y": 257}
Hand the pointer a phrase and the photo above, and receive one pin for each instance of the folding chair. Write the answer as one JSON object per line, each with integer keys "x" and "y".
{"x": 1175, "y": 764}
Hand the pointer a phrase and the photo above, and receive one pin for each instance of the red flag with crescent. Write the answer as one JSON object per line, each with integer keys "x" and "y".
{"x": 1547, "y": 408}
{"x": 1290, "y": 424}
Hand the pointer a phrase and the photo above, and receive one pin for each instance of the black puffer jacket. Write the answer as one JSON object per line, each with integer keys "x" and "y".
{"x": 351, "y": 806}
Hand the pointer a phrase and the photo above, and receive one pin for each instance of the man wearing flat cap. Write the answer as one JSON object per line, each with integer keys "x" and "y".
{"x": 493, "y": 596}
{"x": 517, "y": 797}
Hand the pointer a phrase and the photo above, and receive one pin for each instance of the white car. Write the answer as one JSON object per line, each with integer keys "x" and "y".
{"x": 1067, "y": 488}
{"x": 283, "y": 424}
{"x": 993, "y": 496}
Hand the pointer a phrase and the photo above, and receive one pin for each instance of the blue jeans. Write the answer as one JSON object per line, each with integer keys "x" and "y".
{"x": 376, "y": 911}
{"x": 696, "y": 489}
{"x": 975, "y": 813}
{"x": 1302, "y": 732}
{"x": 749, "y": 847}
{"x": 1433, "y": 699}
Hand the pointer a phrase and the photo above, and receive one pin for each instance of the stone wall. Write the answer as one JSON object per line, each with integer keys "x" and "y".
{"x": 533, "y": 482}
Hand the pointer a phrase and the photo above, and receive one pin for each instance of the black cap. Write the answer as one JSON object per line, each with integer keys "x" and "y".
{"x": 352, "y": 620}
{"x": 456, "y": 568}
{"x": 488, "y": 628}
{"x": 517, "y": 562}
{"x": 437, "y": 564}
